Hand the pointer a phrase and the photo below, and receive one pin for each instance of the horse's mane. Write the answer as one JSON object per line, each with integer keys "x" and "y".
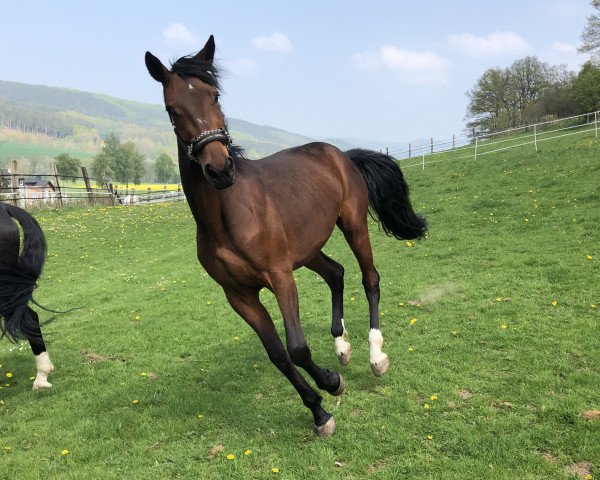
{"x": 190, "y": 66}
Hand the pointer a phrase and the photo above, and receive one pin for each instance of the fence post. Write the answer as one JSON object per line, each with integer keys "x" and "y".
{"x": 476, "y": 138}
{"x": 423, "y": 160}
{"x": 453, "y": 141}
{"x": 55, "y": 172}
{"x": 149, "y": 193}
{"x": 431, "y": 144}
{"x": 596, "y": 122}
{"x": 410, "y": 150}
{"x": 15, "y": 183}
{"x": 535, "y": 136}
{"x": 88, "y": 187}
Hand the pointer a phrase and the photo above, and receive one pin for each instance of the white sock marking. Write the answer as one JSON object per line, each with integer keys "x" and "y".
{"x": 376, "y": 342}
{"x": 44, "y": 368}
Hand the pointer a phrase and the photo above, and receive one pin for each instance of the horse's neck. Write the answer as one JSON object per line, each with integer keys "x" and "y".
{"x": 203, "y": 198}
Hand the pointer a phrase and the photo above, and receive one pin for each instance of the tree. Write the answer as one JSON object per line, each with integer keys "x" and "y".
{"x": 121, "y": 161}
{"x": 164, "y": 168}
{"x": 590, "y": 38}
{"x": 103, "y": 161}
{"x": 67, "y": 166}
{"x": 587, "y": 87}
{"x": 129, "y": 164}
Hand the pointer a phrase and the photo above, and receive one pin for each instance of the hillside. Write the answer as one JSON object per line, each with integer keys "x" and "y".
{"x": 37, "y": 121}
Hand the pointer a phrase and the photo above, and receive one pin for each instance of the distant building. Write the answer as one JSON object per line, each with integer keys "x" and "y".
{"x": 37, "y": 190}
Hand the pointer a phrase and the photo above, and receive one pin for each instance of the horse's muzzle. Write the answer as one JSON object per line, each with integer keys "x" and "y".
{"x": 223, "y": 179}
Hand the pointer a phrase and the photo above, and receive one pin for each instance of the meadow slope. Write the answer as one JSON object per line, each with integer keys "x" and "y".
{"x": 491, "y": 324}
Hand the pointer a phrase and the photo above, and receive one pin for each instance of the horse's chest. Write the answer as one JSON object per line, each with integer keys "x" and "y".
{"x": 228, "y": 267}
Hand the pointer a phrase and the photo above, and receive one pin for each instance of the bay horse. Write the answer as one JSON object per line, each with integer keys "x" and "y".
{"x": 19, "y": 272}
{"x": 259, "y": 220}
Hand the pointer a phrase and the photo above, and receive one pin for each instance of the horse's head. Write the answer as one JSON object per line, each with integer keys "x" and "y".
{"x": 191, "y": 92}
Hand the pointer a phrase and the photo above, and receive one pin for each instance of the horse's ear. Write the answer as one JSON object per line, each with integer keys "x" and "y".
{"x": 208, "y": 52}
{"x": 156, "y": 69}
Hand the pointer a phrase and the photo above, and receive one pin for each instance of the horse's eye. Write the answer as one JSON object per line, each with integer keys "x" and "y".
{"x": 217, "y": 98}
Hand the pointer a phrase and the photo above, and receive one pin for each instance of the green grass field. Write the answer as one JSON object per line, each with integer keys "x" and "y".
{"x": 491, "y": 324}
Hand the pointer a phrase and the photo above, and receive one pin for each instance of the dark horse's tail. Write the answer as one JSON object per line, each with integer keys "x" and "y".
{"x": 18, "y": 280}
{"x": 388, "y": 194}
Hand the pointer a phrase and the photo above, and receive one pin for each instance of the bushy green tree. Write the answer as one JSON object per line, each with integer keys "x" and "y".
{"x": 121, "y": 161}
{"x": 164, "y": 168}
{"x": 67, "y": 166}
{"x": 587, "y": 87}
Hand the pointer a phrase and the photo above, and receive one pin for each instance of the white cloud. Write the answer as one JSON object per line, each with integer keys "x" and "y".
{"x": 495, "y": 43}
{"x": 564, "y": 47}
{"x": 277, "y": 42}
{"x": 413, "y": 67}
{"x": 177, "y": 34}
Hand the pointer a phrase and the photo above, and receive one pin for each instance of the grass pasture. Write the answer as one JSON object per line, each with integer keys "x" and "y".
{"x": 492, "y": 326}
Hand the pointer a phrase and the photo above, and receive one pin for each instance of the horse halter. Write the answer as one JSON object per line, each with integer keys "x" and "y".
{"x": 197, "y": 144}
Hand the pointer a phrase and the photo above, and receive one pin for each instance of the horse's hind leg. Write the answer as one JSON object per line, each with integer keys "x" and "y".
{"x": 357, "y": 235}
{"x": 333, "y": 274}
{"x": 247, "y": 304}
{"x": 43, "y": 364}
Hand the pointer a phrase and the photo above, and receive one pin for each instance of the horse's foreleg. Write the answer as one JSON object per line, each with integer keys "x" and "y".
{"x": 333, "y": 274}
{"x": 247, "y": 304}
{"x": 286, "y": 294}
{"x": 43, "y": 364}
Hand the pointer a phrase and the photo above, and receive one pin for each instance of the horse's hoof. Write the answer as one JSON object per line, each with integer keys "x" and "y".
{"x": 344, "y": 357}
{"x": 41, "y": 384}
{"x": 327, "y": 429}
{"x": 341, "y": 388}
{"x": 380, "y": 366}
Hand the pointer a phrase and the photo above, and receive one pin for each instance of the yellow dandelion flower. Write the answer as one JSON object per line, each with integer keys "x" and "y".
{"x": 137, "y": 317}
{"x": 409, "y": 244}
{"x": 236, "y": 338}
{"x": 275, "y": 470}
{"x": 413, "y": 321}
{"x": 230, "y": 456}
{"x": 554, "y": 303}
{"x": 588, "y": 257}
{"x": 32, "y": 378}
{"x": 9, "y": 375}
{"x": 411, "y": 349}
{"x": 8, "y": 449}
{"x": 588, "y": 476}
{"x": 248, "y": 452}
{"x": 454, "y": 332}
{"x": 498, "y": 299}
{"x": 135, "y": 402}
{"x": 426, "y": 406}
{"x": 64, "y": 452}
{"x": 352, "y": 299}
{"x": 504, "y": 326}
{"x": 209, "y": 302}
{"x": 593, "y": 305}
{"x": 433, "y": 398}
{"x": 429, "y": 437}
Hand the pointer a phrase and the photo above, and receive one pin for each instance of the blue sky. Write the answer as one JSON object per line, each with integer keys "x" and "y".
{"x": 378, "y": 70}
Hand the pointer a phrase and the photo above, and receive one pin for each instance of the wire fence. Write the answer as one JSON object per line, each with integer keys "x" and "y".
{"x": 53, "y": 190}
{"x": 473, "y": 146}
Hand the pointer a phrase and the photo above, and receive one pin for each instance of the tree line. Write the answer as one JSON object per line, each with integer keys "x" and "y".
{"x": 118, "y": 161}
{"x": 531, "y": 91}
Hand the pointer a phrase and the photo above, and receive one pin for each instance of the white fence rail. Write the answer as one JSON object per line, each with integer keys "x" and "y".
{"x": 473, "y": 146}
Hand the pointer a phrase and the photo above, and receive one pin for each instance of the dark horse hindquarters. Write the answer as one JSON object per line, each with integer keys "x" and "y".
{"x": 19, "y": 272}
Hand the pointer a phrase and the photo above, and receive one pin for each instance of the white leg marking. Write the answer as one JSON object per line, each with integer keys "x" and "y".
{"x": 379, "y": 360}
{"x": 343, "y": 349}
{"x": 44, "y": 368}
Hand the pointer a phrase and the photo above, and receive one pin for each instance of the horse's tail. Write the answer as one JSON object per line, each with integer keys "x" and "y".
{"x": 17, "y": 320}
{"x": 33, "y": 256}
{"x": 388, "y": 194}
